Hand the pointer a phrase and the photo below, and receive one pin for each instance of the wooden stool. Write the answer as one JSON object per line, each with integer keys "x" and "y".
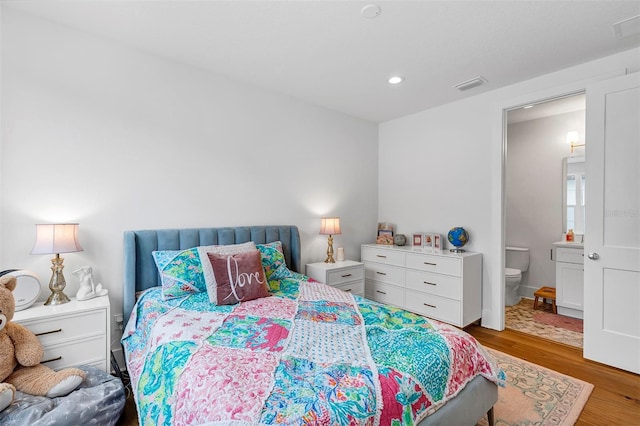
{"x": 546, "y": 293}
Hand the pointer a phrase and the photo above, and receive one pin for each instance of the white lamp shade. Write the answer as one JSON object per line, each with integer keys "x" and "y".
{"x": 572, "y": 137}
{"x": 56, "y": 238}
{"x": 330, "y": 226}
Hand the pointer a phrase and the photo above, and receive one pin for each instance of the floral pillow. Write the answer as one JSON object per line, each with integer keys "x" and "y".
{"x": 182, "y": 272}
{"x": 239, "y": 278}
{"x": 273, "y": 261}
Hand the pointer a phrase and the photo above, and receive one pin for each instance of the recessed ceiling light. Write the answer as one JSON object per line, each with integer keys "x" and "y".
{"x": 396, "y": 79}
{"x": 370, "y": 11}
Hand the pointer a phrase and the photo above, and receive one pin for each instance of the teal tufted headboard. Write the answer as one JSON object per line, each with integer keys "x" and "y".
{"x": 140, "y": 272}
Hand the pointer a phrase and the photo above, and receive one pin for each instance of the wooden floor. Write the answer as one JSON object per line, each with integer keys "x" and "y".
{"x": 615, "y": 399}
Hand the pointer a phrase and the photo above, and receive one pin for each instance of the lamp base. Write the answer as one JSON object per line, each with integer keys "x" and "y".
{"x": 330, "y": 258}
{"x": 57, "y": 283}
{"x": 57, "y": 298}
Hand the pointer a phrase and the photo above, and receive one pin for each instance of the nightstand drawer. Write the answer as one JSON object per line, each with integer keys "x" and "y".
{"x": 384, "y": 273}
{"x": 68, "y": 327}
{"x": 355, "y": 287}
{"x": 437, "y": 264}
{"x": 437, "y": 284}
{"x": 439, "y": 308}
{"x": 87, "y": 351}
{"x": 390, "y": 257}
{"x": 345, "y": 275}
{"x": 384, "y": 293}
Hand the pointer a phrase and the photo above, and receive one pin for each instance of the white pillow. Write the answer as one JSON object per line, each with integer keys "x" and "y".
{"x": 207, "y": 269}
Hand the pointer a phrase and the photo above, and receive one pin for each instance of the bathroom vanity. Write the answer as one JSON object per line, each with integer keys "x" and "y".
{"x": 569, "y": 258}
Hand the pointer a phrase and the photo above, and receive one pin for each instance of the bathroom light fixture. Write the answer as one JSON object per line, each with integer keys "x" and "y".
{"x": 396, "y": 79}
{"x": 572, "y": 140}
{"x": 330, "y": 226}
{"x": 55, "y": 239}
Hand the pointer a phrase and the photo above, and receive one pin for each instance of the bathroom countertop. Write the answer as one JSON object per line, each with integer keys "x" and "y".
{"x": 569, "y": 244}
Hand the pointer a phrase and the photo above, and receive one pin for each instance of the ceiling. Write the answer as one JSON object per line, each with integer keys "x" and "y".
{"x": 327, "y": 53}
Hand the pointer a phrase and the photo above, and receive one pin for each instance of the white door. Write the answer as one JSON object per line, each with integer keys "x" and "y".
{"x": 612, "y": 237}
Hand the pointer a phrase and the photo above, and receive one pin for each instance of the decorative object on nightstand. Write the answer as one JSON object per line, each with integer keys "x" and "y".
{"x": 55, "y": 239}
{"x": 399, "y": 239}
{"x": 88, "y": 289}
{"x": 458, "y": 237}
{"x": 330, "y": 226}
{"x": 27, "y": 287}
{"x": 340, "y": 255}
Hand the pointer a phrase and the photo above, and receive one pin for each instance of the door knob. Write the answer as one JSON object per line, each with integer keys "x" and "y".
{"x": 593, "y": 256}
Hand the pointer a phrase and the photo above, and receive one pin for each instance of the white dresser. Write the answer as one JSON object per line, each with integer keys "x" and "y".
{"x": 569, "y": 259}
{"x": 73, "y": 333}
{"x": 446, "y": 287}
{"x": 347, "y": 275}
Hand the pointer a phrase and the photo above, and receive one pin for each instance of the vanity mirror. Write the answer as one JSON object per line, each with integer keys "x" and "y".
{"x": 573, "y": 201}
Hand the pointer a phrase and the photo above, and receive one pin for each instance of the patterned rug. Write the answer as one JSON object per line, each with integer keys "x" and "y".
{"x": 520, "y": 317}
{"x": 557, "y": 320}
{"x": 535, "y": 395}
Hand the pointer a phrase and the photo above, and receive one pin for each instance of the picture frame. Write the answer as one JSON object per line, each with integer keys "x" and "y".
{"x": 428, "y": 242}
{"x": 437, "y": 243}
{"x": 417, "y": 240}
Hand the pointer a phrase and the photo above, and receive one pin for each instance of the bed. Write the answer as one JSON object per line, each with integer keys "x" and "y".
{"x": 305, "y": 354}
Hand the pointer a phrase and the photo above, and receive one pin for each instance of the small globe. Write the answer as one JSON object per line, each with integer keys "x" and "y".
{"x": 458, "y": 237}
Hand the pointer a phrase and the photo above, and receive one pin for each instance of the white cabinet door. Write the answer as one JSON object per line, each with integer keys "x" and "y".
{"x": 612, "y": 244}
{"x": 570, "y": 287}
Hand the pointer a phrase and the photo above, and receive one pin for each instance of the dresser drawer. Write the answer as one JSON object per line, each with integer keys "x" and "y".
{"x": 355, "y": 287}
{"x": 69, "y": 327}
{"x": 440, "y": 308}
{"x": 87, "y": 351}
{"x": 389, "y": 257}
{"x": 437, "y": 284}
{"x": 345, "y": 275}
{"x": 384, "y": 273}
{"x": 384, "y": 293}
{"x": 570, "y": 255}
{"x": 430, "y": 263}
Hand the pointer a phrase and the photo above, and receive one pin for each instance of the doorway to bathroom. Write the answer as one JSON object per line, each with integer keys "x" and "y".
{"x": 543, "y": 202}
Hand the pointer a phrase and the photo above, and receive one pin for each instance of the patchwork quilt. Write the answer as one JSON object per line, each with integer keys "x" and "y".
{"x": 309, "y": 354}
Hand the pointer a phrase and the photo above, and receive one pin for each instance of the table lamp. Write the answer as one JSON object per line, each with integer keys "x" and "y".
{"x": 55, "y": 239}
{"x": 330, "y": 226}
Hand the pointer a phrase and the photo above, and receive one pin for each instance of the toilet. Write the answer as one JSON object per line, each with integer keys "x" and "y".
{"x": 517, "y": 262}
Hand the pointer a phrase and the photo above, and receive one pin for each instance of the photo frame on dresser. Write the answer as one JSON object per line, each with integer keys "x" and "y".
{"x": 427, "y": 244}
{"x": 437, "y": 243}
{"x": 417, "y": 240}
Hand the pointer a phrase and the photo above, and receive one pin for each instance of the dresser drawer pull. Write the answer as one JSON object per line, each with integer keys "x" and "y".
{"x": 429, "y": 263}
{"x": 379, "y": 255}
{"x": 430, "y": 306}
{"x": 347, "y": 275}
{"x": 51, "y": 360}
{"x": 49, "y": 332}
{"x": 381, "y": 273}
{"x": 427, "y": 282}
{"x": 381, "y": 292}
{"x": 347, "y": 289}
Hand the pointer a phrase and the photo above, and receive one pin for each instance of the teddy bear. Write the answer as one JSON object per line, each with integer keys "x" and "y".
{"x": 20, "y": 356}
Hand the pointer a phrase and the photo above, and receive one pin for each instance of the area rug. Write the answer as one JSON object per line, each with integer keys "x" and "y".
{"x": 535, "y": 395}
{"x": 520, "y": 317}
{"x": 557, "y": 320}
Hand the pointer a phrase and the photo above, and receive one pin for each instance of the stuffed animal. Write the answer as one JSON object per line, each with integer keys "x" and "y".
{"x": 20, "y": 356}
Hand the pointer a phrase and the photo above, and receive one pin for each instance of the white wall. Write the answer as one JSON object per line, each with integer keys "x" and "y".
{"x": 533, "y": 183}
{"x": 442, "y": 167}
{"x": 117, "y": 139}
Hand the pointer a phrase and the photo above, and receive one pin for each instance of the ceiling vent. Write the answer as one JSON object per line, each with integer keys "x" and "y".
{"x": 627, "y": 28}
{"x": 470, "y": 84}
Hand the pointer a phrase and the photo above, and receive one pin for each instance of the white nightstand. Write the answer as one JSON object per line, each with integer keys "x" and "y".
{"x": 347, "y": 275}
{"x": 73, "y": 333}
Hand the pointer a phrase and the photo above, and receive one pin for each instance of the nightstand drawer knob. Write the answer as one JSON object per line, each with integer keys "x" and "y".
{"x": 347, "y": 275}
{"x": 49, "y": 332}
{"x": 381, "y": 292}
{"x": 347, "y": 289}
{"x": 430, "y": 306}
{"x": 379, "y": 255}
{"x": 381, "y": 273}
{"x": 429, "y": 263}
{"x": 427, "y": 282}
{"x": 51, "y": 360}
